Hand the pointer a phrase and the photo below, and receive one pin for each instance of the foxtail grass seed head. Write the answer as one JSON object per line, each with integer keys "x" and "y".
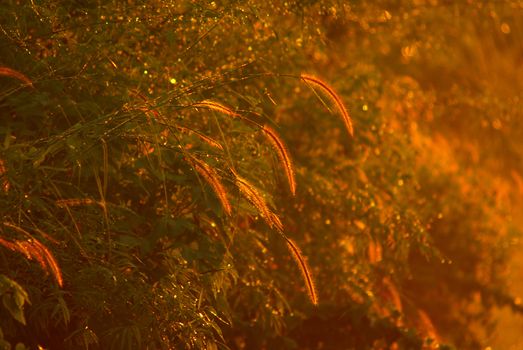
{"x": 334, "y": 97}
{"x": 8, "y": 72}
{"x": 393, "y": 293}
{"x": 213, "y": 179}
{"x": 283, "y": 154}
{"x": 305, "y": 271}
{"x": 217, "y": 107}
{"x": 50, "y": 261}
{"x": 32, "y": 249}
{"x": 254, "y": 196}
{"x": 75, "y": 202}
{"x": 7, "y": 244}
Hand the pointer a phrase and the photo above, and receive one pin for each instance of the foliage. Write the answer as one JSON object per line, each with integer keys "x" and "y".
{"x": 171, "y": 157}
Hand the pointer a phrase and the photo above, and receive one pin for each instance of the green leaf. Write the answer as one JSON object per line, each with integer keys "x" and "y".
{"x": 14, "y": 298}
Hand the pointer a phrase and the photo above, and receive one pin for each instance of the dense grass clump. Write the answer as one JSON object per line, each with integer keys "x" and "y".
{"x": 169, "y": 168}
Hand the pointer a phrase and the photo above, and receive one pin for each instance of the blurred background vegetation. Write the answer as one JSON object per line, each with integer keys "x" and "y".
{"x": 113, "y": 237}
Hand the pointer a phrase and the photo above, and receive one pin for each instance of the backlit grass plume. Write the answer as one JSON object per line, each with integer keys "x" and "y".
{"x": 217, "y": 107}
{"x": 253, "y": 195}
{"x": 33, "y": 249}
{"x": 302, "y": 263}
{"x": 285, "y": 159}
{"x": 334, "y": 97}
{"x": 75, "y": 202}
{"x": 8, "y": 72}
{"x": 213, "y": 179}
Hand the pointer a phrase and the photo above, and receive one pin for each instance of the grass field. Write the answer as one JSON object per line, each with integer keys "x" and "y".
{"x": 261, "y": 175}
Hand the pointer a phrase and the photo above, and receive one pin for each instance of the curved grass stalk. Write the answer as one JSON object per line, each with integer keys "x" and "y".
{"x": 283, "y": 154}
{"x": 213, "y": 179}
{"x": 334, "y": 97}
{"x": 31, "y": 248}
{"x": 8, "y": 72}
{"x": 75, "y": 202}
{"x": 305, "y": 271}
{"x": 256, "y": 199}
{"x": 216, "y": 106}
